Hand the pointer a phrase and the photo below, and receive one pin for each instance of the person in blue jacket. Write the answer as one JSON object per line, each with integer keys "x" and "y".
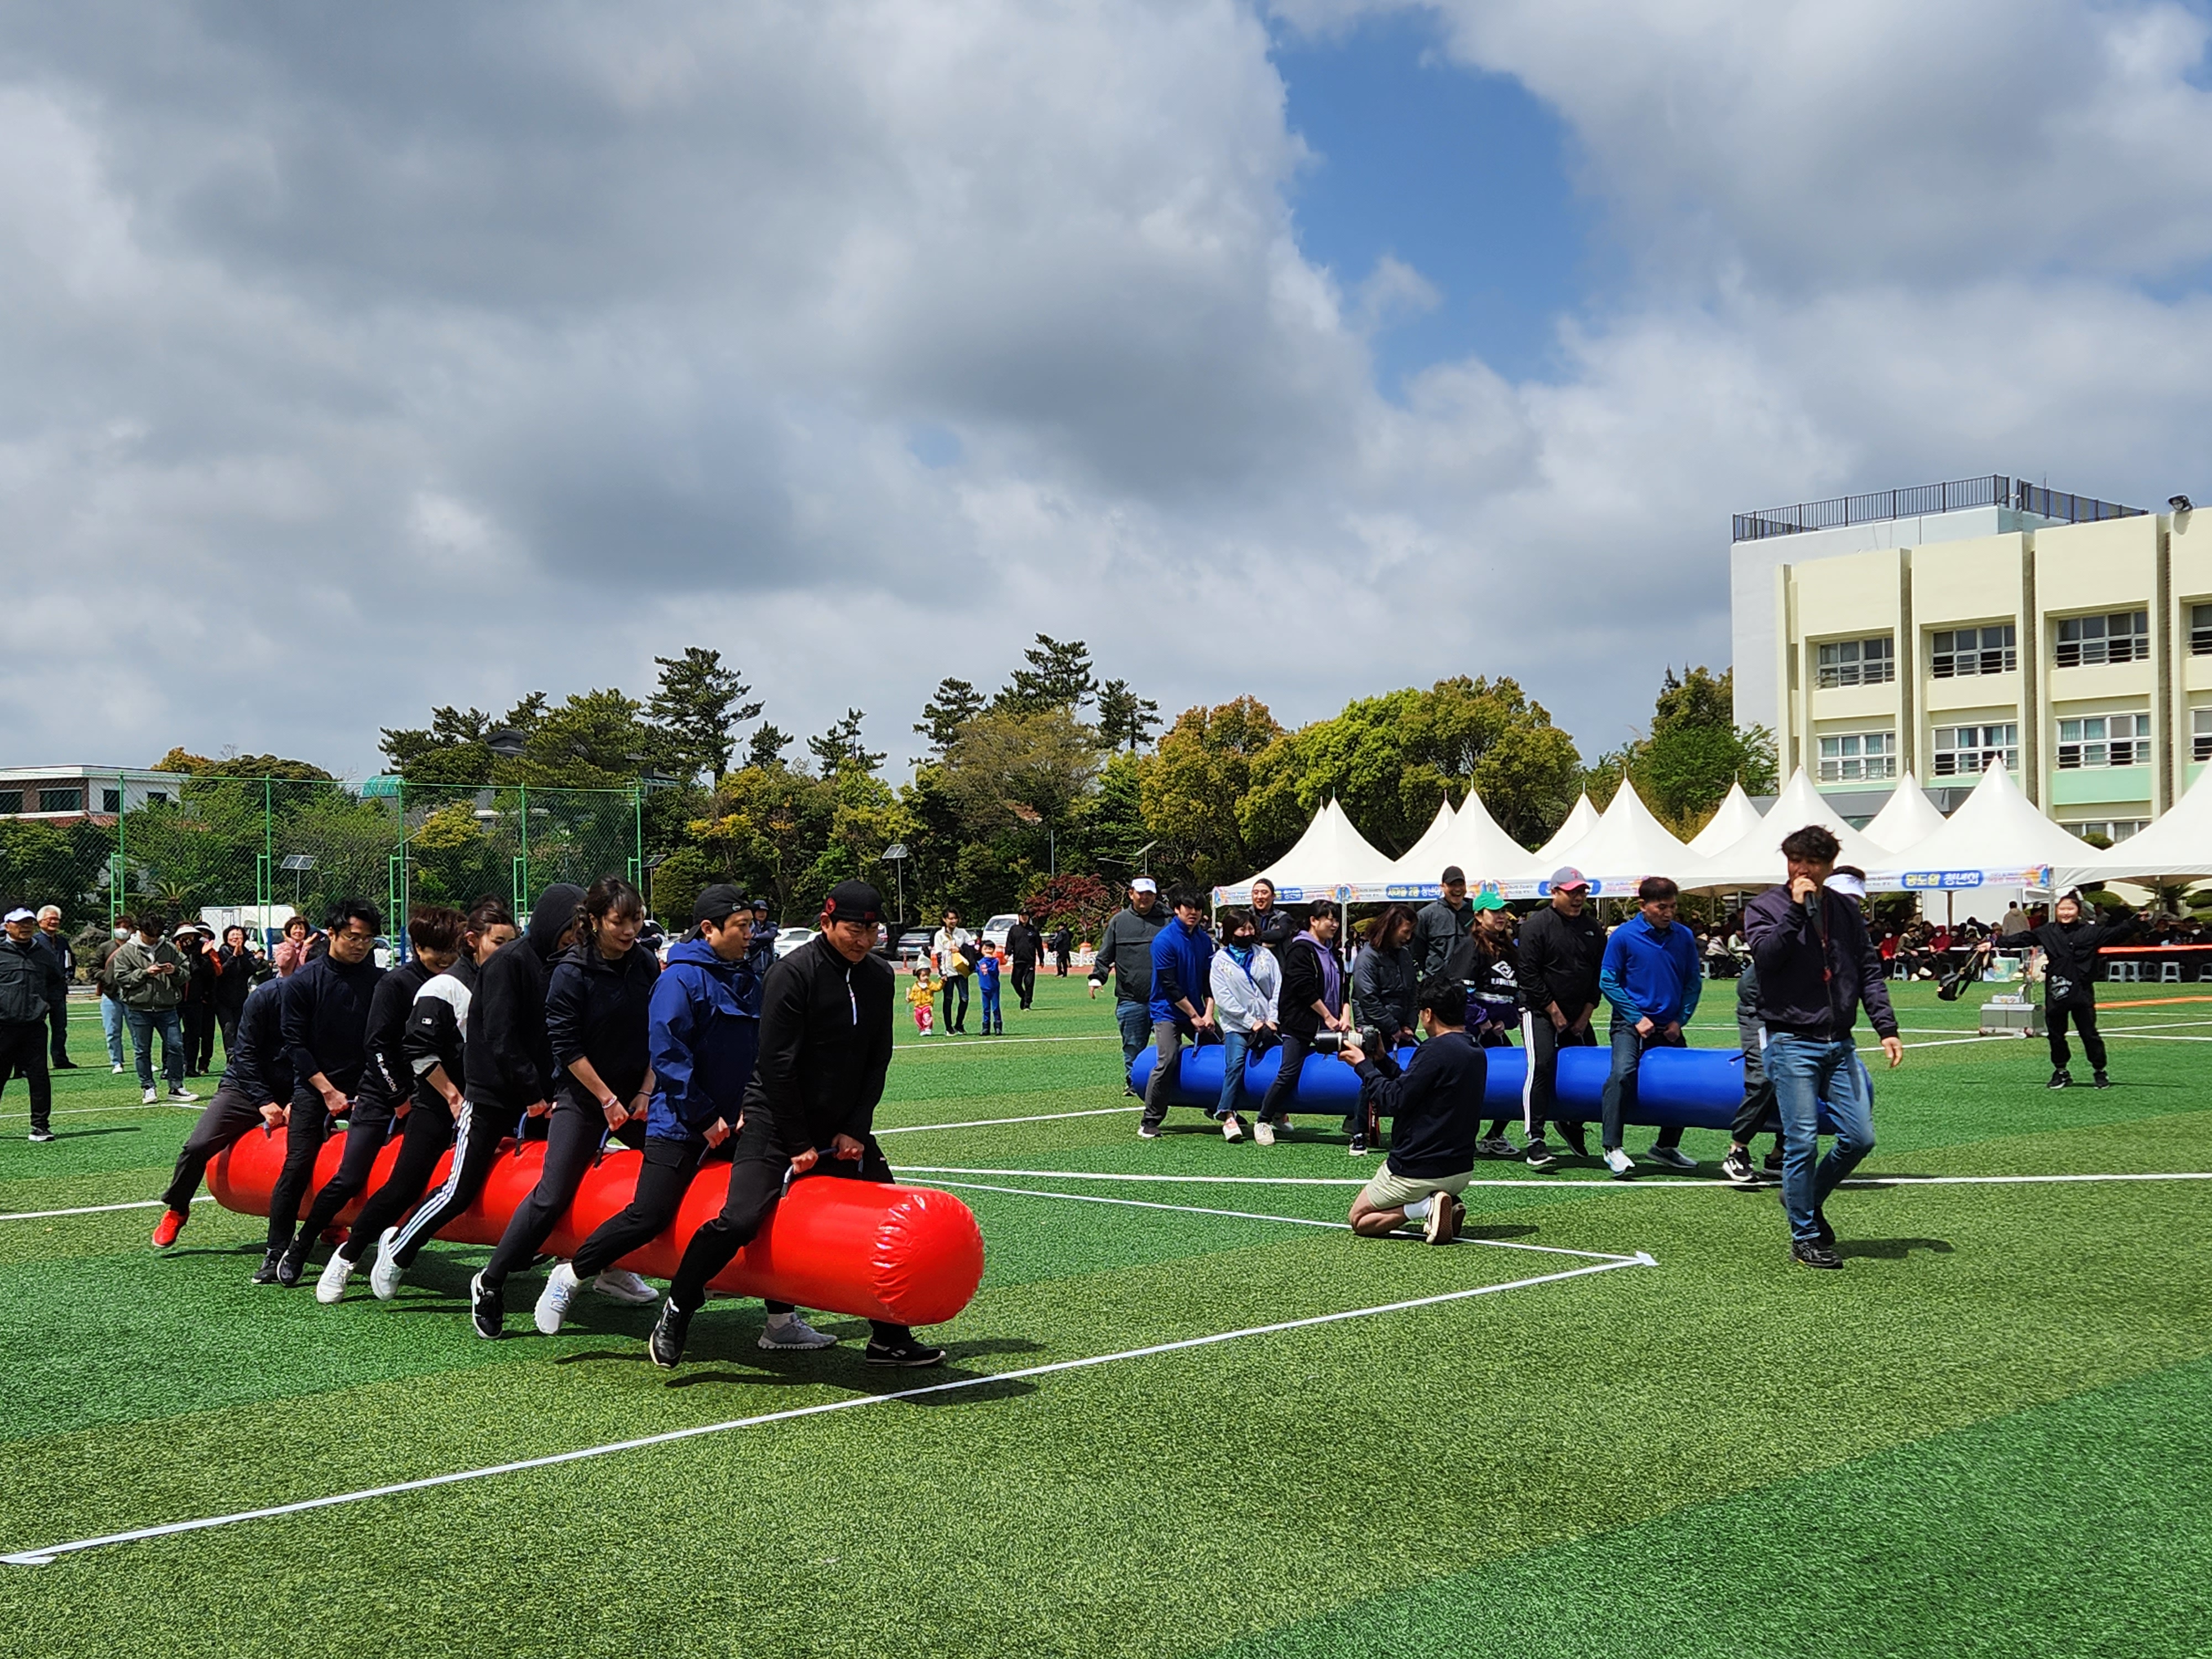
{"x": 1651, "y": 976}
{"x": 1182, "y": 1004}
{"x": 705, "y": 1034}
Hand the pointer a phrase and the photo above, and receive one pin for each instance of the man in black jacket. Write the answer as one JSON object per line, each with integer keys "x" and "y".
{"x": 57, "y": 942}
{"x": 825, "y": 1046}
{"x": 1276, "y": 926}
{"x": 1125, "y": 950}
{"x": 506, "y": 1063}
{"x": 326, "y": 1007}
{"x": 2070, "y": 942}
{"x": 1562, "y": 947}
{"x": 1435, "y": 1108}
{"x": 1023, "y": 944}
{"x": 387, "y": 1085}
{"x": 1312, "y": 1000}
{"x": 256, "y": 1082}
{"x": 29, "y": 980}
{"x": 1816, "y": 966}
{"x": 1441, "y": 925}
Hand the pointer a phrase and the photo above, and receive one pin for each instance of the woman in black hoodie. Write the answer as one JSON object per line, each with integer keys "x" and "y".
{"x": 597, "y": 1006}
{"x": 2070, "y": 942}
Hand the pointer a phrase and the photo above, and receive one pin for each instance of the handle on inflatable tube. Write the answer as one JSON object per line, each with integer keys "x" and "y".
{"x": 910, "y": 1256}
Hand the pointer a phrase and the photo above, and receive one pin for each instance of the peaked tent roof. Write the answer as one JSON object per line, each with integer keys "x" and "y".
{"x": 1478, "y": 847}
{"x": 2178, "y": 844}
{"x": 1734, "y": 818}
{"x": 1997, "y": 838}
{"x": 1580, "y": 822}
{"x": 1330, "y": 854}
{"x": 1907, "y": 816}
{"x": 1434, "y": 850}
{"x": 1754, "y": 859}
{"x": 1625, "y": 845}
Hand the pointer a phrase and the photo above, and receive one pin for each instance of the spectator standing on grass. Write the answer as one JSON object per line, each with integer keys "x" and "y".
{"x": 1816, "y": 966}
{"x": 1124, "y": 950}
{"x": 256, "y": 1082}
{"x": 1275, "y": 925}
{"x": 1246, "y": 981}
{"x": 1312, "y": 1001}
{"x": 1493, "y": 995}
{"x": 55, "y": 943}
{"x": 1063, "y": 947}
{"x": 1443, "y": 926}
{"x": 921, "y": 997}
{"x": 1562, "y": 949}
{"x": 149, "y": 976}
{"x": 1383, "y": 979}
{"x": 27, "y": 979}
{"x": 948, "y": 948}
{"x": 196, "y": 941}
{"x": 235, "y": 966}
{"x": 1024, "y": 945}
{"x": 1181, "y": 1006}
{"x": 2070, "y": 941}
{"x": 988, "y": 973}
{"x": 1650, "y": 976}
{"x": 1436, "y": 1110}
{"x": 292, "y": 948}
{"x": 111, "y": 1005}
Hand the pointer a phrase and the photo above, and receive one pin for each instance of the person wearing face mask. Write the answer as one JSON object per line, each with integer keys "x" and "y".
{"x": 596, "y": 1021}
{"x": 111, "y": 1005}
{"x": 1493, "y": 995}
{"x": 1311, "y": 1002}
{"x": 1246, "y": 981}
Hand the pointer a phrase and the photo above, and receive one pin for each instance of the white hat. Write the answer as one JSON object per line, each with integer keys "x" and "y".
{"x": 19, "y": 914}
{"x": 1143, "y": 884}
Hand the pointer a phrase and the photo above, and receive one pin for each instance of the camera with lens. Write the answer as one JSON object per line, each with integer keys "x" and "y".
{"x": 1367, "y": 1038}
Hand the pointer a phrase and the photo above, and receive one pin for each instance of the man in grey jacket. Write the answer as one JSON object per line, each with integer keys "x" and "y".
{"x": 1125, "y": 950}
{"x": 150, "y": 976}
{"x": 1442, "y": 925}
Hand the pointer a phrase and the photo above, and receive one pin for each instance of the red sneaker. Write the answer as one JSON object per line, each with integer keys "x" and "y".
{"x": 167, "y": 1228}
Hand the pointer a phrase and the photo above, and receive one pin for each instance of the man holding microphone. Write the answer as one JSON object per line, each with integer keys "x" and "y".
{"x": 1816, "y": 965}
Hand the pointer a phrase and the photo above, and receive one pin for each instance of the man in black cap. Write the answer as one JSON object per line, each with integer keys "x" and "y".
{"x": 825, "y": 1044}
{"x": 1562, "y": 947}
{"x": 1442, "y": 926}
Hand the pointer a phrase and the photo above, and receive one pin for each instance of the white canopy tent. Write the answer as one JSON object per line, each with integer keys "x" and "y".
{"x": 2177, "y": 846}
{"x": 1580, "y": 821}
{"x": 1434, "y": 850}
{"x": 1471, "y": 840}
{"x": 1995, "y": 839}
{"x": 1332, "y": 859}
{"x": 1734, "y": 818}
{"x": 1625, "y": 845}
{"x": 1907, "y": 817}
{"x": 1754, "y": 859}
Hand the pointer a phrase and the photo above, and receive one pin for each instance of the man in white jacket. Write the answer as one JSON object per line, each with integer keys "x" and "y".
{"x": 1245, "y": 979}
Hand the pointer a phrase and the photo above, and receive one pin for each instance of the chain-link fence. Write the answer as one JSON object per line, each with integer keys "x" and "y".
{"x": 255, "y": 850}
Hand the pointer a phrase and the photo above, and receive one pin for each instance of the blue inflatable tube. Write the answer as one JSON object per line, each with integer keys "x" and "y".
{"x": 1685, "y": 1088}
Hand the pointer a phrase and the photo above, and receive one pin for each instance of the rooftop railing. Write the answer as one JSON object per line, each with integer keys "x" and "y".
{"x": 1996, "y": 490}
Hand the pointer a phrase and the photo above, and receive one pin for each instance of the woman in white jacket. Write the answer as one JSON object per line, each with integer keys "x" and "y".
{"x": 1245, "y": 981}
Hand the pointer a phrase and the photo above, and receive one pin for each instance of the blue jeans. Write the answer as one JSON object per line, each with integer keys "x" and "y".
{"x": 1135, "y": 1019}
{"x": 1804, "y": 1070}
{"x": 1628, "y": 1052}
{"x": 143, "y": 1023}
{"x": 111, "y": 1022}
{"x": 1235, "y": 1045}
{"x": 993, "y": 1020}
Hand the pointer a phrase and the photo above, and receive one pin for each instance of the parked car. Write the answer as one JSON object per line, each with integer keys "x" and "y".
{"x": 996, "y": 929}
{"x": 914, "y": 946}
{"x": 788, "y": 939}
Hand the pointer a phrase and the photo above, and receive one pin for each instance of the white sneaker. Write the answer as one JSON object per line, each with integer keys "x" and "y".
{"x": 1673, "y": 1157}
{"x": 116, "y": 1069}
{"x": 384, "y": 1277}
{"x": 153, "y": 1097}
{"x": 792, "y": 1331}
{"x": 621, "y": 1284}
{"x": 332, "y": 1285}
{"x": 180, "y": 1096}
{"x": 553, "y": 1300}
{"x": 1497, "y": 1146}
{"x": 1232, "y": 1129}
{"x": 1264, "y": 1132}
{"x": 1619, "y": 1163}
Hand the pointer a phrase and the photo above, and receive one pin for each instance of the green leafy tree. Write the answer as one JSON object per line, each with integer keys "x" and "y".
{"x": 696, "y": 704}
{"x": 1191, "y": 786}
{"x": 1125, "y": 720}
{"x": 1058, "y": 675}
{"x": 1006, "y": 769}
{"x": 842, "y": 746}
{"x": 1695, "y": 751}
{"x": 591, "y": 739}
{"x": 952, "y": 706}
{"x": 241, "y": 766}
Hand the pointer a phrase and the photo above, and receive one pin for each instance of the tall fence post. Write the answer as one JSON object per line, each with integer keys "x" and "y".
{"x": 637, "y": 836}
{"x": 522, "y": 858}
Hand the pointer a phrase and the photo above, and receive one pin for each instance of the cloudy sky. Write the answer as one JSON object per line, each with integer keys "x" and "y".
{"x": 355, "y": 358}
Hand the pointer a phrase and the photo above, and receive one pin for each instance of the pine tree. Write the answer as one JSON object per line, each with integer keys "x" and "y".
{"x": 697, "y": 704}
{"x": 1058, "y": 676}
{"x": 1125, "y": 720}
{"x": 952, "y": 706}
{"x": 841, "y": 746}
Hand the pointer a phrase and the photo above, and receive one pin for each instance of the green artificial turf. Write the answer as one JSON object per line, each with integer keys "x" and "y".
{"x": 1986, "y": 1436}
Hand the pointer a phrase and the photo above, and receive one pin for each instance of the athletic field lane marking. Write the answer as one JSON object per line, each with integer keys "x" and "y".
{"x": 1604, "y": 1185}
{"x": 984, "y": 1123}
{"x": 1293, "y": 1220}
{"x": 100, "y": 1209}
{"x": 45, "y": 1555}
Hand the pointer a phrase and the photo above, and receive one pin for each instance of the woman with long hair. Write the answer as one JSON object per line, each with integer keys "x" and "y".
{"x": 598, "y": 1005}
{"x": 234, "y": 981}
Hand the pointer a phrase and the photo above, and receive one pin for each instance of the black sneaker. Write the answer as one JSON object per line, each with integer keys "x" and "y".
{"x": 1772, "y": 1162}
{"x": 1820, "y": 1226}
{"x": 665, "y": 1345}
{"x": 2061, "y": 1079}
{"x": 41, "y": 1135}
{"x": 1811, "y": 1253}
{"x": 2102, "y": 1081}
{"x": 487, "y": 1307}
{"x": 293, "y": 1261}
{"x": 1359, "y": 1148}
{"x": 1736, "y": 1166}
{"x": 266, "y": 1272}
{"x": 1574, "y": 1135}
{"x": 909, "y": 1352}
{"x": 64, "y": 1066}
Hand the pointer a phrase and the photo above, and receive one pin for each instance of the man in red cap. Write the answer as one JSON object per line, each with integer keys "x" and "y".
{"x": 825, "y": 1045}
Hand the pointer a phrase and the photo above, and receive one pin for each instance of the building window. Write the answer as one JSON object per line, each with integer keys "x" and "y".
{"x": 11, "y": 800}
{"x": 61, "y": 800}
{"x": 2122, "y": 637}
{"x": 1957, "y": 652}
{"x": 2200, "y": 630}
{"x": 1854, "y": 755}
{"x": 2200, "y": 734}
{"x": 2114, "y": 831}
{"x": 1967, "y": 751}
{"x": 1860, "y": 662}
{"x": 111, "y": 800}
{"x": 2104, "y": 740}
{"x": 157, "y": 797}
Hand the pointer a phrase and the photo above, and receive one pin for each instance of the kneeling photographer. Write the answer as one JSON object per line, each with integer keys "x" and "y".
{"x": 1436, "y": 1107}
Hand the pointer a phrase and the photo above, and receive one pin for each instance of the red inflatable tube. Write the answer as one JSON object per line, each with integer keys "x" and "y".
{"x": 909, "y": 1255}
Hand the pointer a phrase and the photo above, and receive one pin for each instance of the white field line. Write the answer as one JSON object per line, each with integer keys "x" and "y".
{"x": 1293, "y": 1220}
{"x": 1040, "y": 1117}
{"x": 1606, "y": 1185}
{"x": 45, "y": 1555}
{"x": 100, "y": 1209}
{"x": 921, "y": 1045}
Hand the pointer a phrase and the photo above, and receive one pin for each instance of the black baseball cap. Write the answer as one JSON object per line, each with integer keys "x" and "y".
{"x": 1454, "y": 874}
{"x": 716, "y": 904}
{"x": 853, "y": 901}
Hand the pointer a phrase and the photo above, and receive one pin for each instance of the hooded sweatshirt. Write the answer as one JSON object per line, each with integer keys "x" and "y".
{"x": 507, "y": 1058}
{"x": 437, "y": 1024}
{"x": 705, "y": 1032}
{"x": 595, "y": 1010}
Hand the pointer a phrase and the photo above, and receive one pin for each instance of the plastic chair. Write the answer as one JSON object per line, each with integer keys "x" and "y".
{"x": 2169, "y": 972}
